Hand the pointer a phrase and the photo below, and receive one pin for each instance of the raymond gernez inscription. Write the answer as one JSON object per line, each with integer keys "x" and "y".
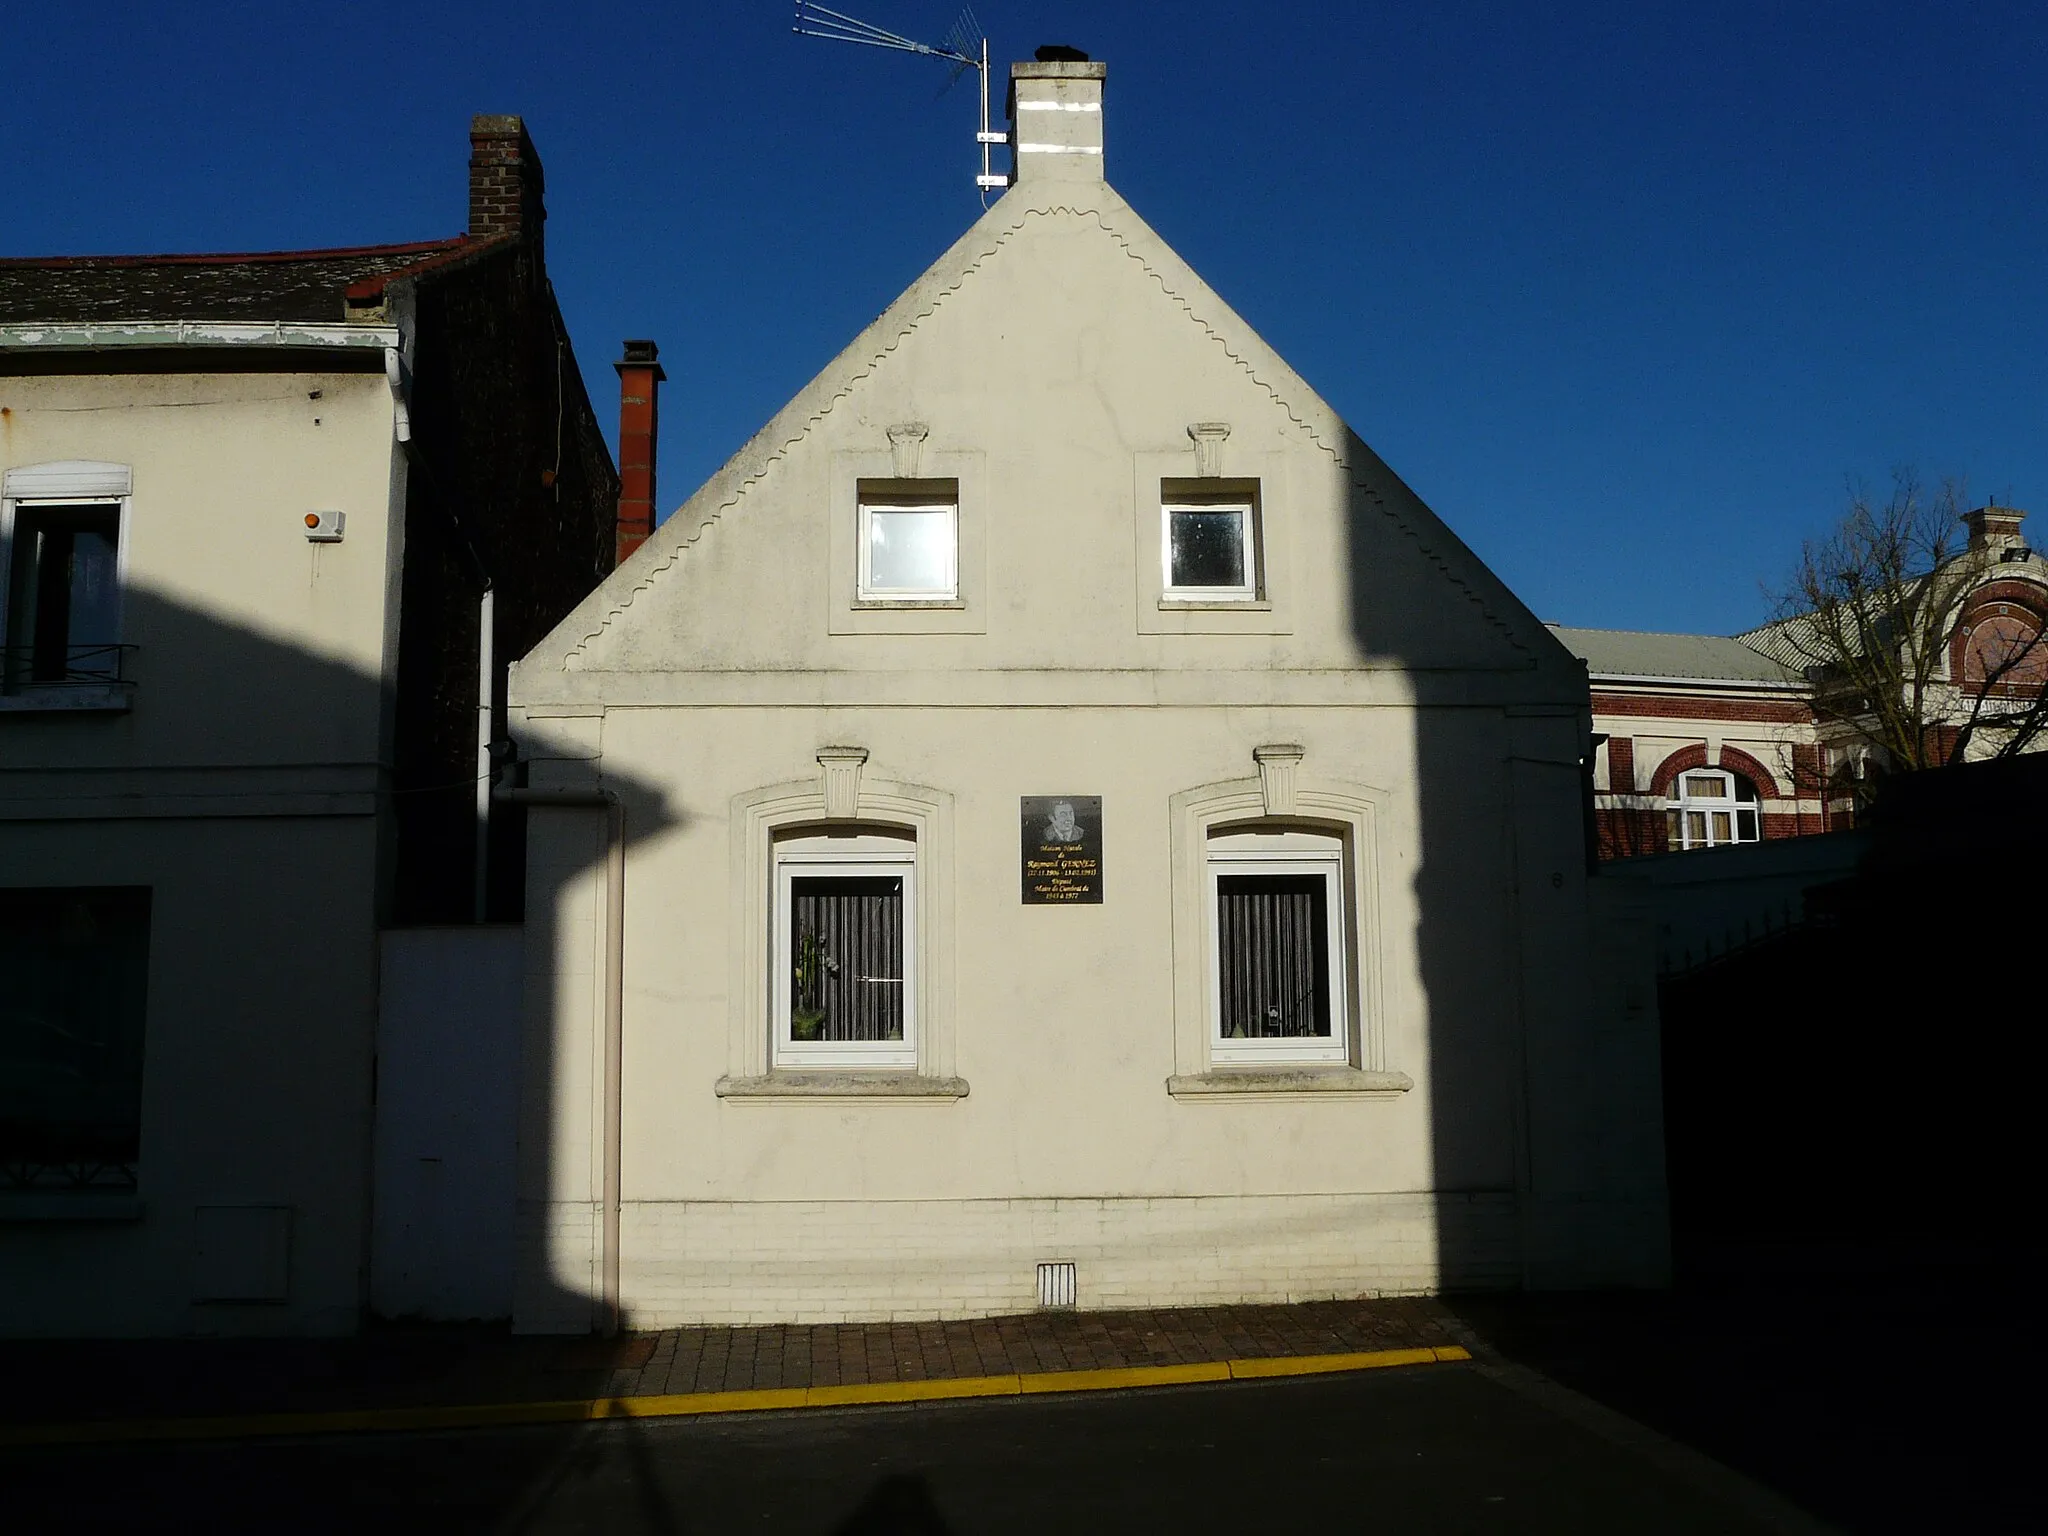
{"x": 1062, "y": 849}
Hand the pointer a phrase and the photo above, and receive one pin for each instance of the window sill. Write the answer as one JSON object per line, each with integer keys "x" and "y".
{"x": 68, "y": 1205}
{"x": 70, "y": 698}
{"x": 909, "y": 605}
{"x": 1215, "y": 605}
{"x": 1288, "y": 1082}
{"x": 901, "y": 1087}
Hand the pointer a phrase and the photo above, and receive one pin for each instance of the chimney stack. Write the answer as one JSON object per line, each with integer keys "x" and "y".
{"x": 1056, "y": 117}
{"x": 1997, "y": 529}
{"x": 505, "y": 180}
{"x": 640, "y": 377}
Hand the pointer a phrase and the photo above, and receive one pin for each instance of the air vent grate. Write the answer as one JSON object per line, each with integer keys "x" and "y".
{"x": 1057, "y": 1285}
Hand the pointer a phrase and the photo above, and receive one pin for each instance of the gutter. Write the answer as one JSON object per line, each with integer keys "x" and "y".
{"x": 1665, "y": 681}
{"x": 614, "y": 1012}
{"x": 107, "y": 336}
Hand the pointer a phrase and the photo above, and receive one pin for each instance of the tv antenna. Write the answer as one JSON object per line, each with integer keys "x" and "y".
{"x": 965, "y": 48}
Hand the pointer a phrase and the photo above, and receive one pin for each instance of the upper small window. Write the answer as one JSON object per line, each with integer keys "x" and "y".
{"x": 909, "y": 542}
{"x": 63, "y": 595}
{"x": 1714, "y": 808}
{"x": 1209, "y": 548}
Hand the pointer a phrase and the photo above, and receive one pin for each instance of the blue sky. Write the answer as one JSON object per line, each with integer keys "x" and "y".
{"x": 1625, "y": 292}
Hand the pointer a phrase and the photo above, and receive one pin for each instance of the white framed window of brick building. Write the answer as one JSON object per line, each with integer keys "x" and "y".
{"x": 1209, "y": 545}
{"x": 1713, "y": 808}
{"x": 1278, "y": 952}
{"x": 907, "y": 543}
{"x": 845, "y": 962}
{"x": 63, "y": 566}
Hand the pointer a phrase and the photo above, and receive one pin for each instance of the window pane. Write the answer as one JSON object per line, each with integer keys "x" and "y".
{"x": 1745, "y": 826}
{"x": 911, "y": 551}
{"x": 73, "y": 969}
{"x": 1273, "y": 956}
{"x": 1721, "y": 832}
{"x": 846, "y": 957}
{"x": 1695, "y": 828}
{"x": 1206, "y": 548}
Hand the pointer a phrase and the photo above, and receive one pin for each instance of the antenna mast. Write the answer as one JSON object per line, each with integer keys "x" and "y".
{"x": 816, "y": 21}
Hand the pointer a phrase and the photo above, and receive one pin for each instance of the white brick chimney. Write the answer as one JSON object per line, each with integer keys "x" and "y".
{"x": 1056, "y": 121}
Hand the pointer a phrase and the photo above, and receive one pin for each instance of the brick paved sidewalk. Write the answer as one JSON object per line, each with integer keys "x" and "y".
{"x": 735, "y": 1359}
{"x": 63, "y": 1381}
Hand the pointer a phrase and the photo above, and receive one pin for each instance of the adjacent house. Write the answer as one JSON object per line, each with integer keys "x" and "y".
{"x": 1710, "y": 741}
{"x": 1056, "y": 821}
{"x": 270, "y": 527}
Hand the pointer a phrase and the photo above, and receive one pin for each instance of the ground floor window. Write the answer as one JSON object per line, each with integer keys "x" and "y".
{"x": 1713, "y": 808}
{"x": 73, "y": 976}
{"x": 1277, "y": 952}
{"x": 844, "y": 926}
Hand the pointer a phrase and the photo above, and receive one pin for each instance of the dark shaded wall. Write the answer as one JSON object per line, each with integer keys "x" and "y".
{"x": 509, "y": 480}
{"x": 1880, "y": 1121}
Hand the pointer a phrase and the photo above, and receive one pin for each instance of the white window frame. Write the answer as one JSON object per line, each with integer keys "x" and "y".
{"x": 865, "y": 589}
{"x": 64, "y": 484}
{"x": 1251, "y": 852}
{"x": 1685, "y": 804}
{"x": 850, "y": 856}
{"x": 1248, "y": 538}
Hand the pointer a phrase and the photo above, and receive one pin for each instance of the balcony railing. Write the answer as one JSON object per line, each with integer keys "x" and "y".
{"x": 71, "y": 666}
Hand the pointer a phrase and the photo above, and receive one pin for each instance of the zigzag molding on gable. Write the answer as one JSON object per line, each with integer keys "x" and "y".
{"x": 780, "y": 450}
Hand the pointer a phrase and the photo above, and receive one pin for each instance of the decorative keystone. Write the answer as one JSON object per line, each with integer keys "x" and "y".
{"x": 841, "y": 767}
{"x": 1209, "y": 437}
{"x": 906, "y": 448}
{"x": 1277, "y": 763}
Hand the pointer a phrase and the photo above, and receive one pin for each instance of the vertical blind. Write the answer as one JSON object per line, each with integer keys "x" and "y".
{"x": 846, "y": 956}
{"x": 1273, "y": 953}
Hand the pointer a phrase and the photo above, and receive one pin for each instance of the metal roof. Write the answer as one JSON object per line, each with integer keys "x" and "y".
{"x": 1696, "y": 658}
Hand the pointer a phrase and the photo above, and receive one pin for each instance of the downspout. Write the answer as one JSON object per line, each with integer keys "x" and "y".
{"x": 486, "y": 714}
{"x": 614, "y": 1012}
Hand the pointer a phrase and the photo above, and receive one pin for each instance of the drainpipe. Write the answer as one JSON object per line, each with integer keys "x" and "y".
{"x": 486, "y": 690}
{"x": 614, "y": 1010}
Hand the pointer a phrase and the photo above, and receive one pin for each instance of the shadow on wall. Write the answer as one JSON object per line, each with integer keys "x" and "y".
{"x": 1547, "y": 1142}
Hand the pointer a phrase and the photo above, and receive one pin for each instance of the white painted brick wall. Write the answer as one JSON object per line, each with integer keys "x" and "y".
{"x": 707, "y": 1262}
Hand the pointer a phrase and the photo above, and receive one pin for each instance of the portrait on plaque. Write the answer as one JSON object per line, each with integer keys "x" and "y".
{"x": 1062, "y": 849}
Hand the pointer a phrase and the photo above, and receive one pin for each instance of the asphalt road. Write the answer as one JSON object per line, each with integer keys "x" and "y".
{"x": 1441, "y": 1448}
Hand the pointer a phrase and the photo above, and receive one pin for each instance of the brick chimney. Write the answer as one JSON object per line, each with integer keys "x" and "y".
{"x": 640, "y": 377}
{"x": 1997, "y": 529}
{"x": 1056, "y": 117}
{"x": 505, "y": 180}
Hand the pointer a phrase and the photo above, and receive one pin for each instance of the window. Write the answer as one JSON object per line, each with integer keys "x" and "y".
{"x": 909, "y": 542}
{"x": 73, "y": 973}
{"x": 844, "y": 923}
{"x": 1713, "y": 809}
{"x": 63, "y": 595}
{"x": 1277, "y": 952}
{"x": 1209, "y": 548}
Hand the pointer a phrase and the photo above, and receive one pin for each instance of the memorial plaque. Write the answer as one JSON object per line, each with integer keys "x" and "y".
{"x": 1062, "y": 849}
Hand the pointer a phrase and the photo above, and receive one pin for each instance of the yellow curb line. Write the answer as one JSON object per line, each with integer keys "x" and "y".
{"x": 683, "y": 1405}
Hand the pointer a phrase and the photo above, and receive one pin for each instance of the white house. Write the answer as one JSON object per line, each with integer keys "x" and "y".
{"x": 249, "y": 505}
{"x": 1055, "y": 798}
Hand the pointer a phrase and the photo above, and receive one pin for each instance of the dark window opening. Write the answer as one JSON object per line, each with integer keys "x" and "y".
{"x": 1273, "y": 952}
{"x": 846, "y": 957}
{"x": 73, "y": 982}
{"x": 63, "y": 596}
